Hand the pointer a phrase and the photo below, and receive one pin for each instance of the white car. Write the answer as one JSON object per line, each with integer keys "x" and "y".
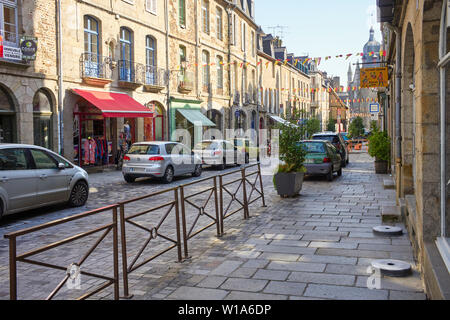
{"x": 219, "y": 153}
{"x": 32, "y": 177}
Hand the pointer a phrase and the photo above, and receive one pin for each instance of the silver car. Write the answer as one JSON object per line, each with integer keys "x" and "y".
{"x": 164, "y": 160}
{"x": 32, "y": 176}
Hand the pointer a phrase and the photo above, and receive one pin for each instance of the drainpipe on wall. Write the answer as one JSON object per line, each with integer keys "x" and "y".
{"x": 60, "y": 83}
{"x": 169, "y": 124}
{"x": 398, "y": 131}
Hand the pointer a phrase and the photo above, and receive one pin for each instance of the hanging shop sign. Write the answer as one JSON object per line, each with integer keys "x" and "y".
{"x": 28, "y": 46}
{"x": 1, "y": 46}
{"x": 374, "y": 77}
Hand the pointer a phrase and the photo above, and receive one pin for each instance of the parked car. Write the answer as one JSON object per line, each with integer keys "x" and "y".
{"x": 219, "y": 153}
{"x": 32, "y": 177}
{"x": 338, "y": 142}
{"x": 321, "y": 158}
{"x": 247, "y": 149}
{"x": 164, "y": 160}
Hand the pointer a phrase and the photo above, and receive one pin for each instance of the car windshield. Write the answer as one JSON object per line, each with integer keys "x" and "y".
{"x": 332, "y": 139}
{"x": 144, "y": 149}
{"x": 313, "y": 147}
{"x": 207, "y": 145}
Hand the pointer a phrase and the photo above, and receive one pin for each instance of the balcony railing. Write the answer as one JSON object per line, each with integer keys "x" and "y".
{"x": 96, "y": 66}
{"x": 185, "y": 82}
{"x": 155, "y": 76}
{"x": 131, "y": 72}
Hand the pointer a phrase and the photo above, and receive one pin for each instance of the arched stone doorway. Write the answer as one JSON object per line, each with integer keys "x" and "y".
{"x": 8, "y": 126}
{"x": 43, "y": 108}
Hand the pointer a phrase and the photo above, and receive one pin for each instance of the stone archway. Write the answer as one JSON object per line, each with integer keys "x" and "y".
{"x": 8, "y": 116}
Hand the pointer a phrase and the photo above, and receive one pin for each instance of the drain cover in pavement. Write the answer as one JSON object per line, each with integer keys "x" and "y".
{"x": 393, "y": 268}
{"x": 387, "y": 231}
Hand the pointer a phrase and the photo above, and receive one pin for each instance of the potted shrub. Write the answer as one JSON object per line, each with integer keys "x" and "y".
{"x": 288, "y": 179}
{"x": 379, "y": 148}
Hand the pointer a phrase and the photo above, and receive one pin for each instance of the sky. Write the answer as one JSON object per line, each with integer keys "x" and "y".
{"x": 321, "y": 28}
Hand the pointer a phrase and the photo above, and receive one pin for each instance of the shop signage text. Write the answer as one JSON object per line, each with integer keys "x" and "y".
{"x": 28, "y": 46}
{"x": 374, "y": 77}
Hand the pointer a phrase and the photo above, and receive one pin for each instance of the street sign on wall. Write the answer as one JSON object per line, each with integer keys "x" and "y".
{"x": 374, "y": 77}
{"x": 374, "y": 108}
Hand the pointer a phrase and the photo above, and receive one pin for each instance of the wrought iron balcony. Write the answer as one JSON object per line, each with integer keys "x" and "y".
{"x": 185, "y": 82}
{"x": 131, "y": 74}
{"x": 155, "y": 79}
{"x": 95, "y": 69}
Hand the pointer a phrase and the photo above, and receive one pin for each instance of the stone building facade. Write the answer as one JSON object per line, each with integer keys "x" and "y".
{"x": 177, "y": 61}
{"x": 416, "y": 96}
{"x": 28, "y": 89}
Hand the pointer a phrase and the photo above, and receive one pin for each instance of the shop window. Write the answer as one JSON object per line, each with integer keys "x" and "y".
{"x": 7, "y": 118}
{"x": 42, "y": 119}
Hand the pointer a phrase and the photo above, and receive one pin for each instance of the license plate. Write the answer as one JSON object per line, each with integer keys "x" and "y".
{"x": 309, "y": 161}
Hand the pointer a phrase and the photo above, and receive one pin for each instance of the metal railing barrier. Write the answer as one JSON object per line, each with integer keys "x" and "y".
{"x": 24, "y": 257}
{"x": 187, "y": 201}
{"x": 153, "y": 232}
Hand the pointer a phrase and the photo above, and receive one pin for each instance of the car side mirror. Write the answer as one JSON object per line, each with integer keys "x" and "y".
{"x": 61, "y": 166}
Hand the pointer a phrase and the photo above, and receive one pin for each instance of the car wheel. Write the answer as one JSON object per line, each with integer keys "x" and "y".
{"x": 168, "y": 175}
{"x": 330, "y": 175}
{"x": 129, "y": 179}
{"x": 198, "y": 171}
{"x": 79, "y": 194}
{"x": 339, "y": 172}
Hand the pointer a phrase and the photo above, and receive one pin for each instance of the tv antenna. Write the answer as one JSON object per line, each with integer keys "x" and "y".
{"x": 278, "y": 31}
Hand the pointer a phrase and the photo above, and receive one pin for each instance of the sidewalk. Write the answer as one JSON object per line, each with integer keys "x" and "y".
{"x": 316, "y": 246}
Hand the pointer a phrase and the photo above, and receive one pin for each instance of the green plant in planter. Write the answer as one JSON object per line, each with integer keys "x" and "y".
{"x": 291, "y": 152}
{"x": 289, "y": 177}
{"x": 380, "y": 146}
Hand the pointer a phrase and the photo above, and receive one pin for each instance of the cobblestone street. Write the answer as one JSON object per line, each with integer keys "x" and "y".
{"x": 316, "y": 246}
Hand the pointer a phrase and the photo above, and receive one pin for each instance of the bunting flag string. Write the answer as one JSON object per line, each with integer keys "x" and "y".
{"x": 317, "y": 60}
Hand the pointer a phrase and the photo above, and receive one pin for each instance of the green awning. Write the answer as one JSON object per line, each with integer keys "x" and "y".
{"x": 194, "y": 116}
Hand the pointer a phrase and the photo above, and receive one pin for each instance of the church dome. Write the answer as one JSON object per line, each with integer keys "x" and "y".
{"x": 372, "y": 44}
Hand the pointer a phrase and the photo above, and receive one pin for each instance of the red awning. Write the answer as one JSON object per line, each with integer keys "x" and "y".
{"x": 115, "y": 105}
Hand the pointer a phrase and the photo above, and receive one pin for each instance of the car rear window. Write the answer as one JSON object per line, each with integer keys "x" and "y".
{"x": 144, "y": 149}
{"x": 207, "y": 145}
{"x": 314, "y": 147}
{"x": 332, "y": 139}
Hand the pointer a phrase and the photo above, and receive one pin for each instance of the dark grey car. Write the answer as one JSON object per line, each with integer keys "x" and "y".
{"x": 337, "y": 140}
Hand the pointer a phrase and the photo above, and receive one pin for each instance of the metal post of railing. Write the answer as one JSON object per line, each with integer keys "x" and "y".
{"x": 123, "y": 238}
{"x": 183, "y": 221}
{"x": 115, "y": 255}
{"x": 261, "y": 184}
{"x": 221, "y": 203}
{"x": 177, "y": 214}
{"x": 12, "y": 269}
{"x": 216, "y": 204}
{"x": 244, "y": 189}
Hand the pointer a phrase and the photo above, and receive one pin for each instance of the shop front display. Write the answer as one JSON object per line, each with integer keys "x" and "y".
{"x": 97, "y": 136}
